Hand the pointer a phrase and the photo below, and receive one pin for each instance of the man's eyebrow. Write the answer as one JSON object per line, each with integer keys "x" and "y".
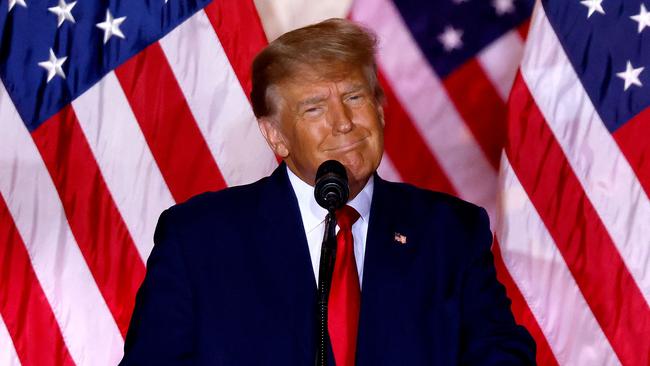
{"x": 312, "y": 100}
{"x": 354, "y": 88}
{"x": 320, "y": 98}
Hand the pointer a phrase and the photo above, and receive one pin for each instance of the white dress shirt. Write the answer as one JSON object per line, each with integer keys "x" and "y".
{"x": 313, "y": 220}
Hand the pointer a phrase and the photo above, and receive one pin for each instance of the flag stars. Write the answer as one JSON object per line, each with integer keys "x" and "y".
{"x": 63, "y": 12}
{"x": 451, "y": 38}
{"x": 53, "y": 66}
{"x": 111, "y": 26}
{"x": 503, "y": 7}
{"x": 593, "y": 6}
{"x": 643, "y": 18}
{"x": 631, "y": 76}
{"x": 13, "y": 3}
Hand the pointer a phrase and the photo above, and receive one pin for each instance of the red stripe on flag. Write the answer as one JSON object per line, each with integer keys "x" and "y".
{"x": 521, "y": 311}
{"x": 523, "y": 29}
{"x": 168, "y": 125}
{"x": 94, "y": 219}
{"x": 481, "y": 107}
{"x": 581, "y": 237}
{"x": 635, "y": 147}
{"x": 240, "y": 32}
{"x": 23, "y": 305}
{"x": 402, "y": 143}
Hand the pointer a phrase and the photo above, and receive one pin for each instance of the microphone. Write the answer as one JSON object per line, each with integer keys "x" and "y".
{"x": 331, "y": 189}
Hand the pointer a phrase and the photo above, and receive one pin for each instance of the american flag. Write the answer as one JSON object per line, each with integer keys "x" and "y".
{"x": 574, "y": 228}
{"x": 112, "y": 111}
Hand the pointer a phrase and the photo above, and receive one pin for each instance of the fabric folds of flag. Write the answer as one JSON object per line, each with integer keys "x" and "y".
{"x": 110, "y": 112}
{"x": 573, "y": 209}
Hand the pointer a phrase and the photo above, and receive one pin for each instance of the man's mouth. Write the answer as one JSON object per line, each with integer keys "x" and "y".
{"x": 346, "y": 146}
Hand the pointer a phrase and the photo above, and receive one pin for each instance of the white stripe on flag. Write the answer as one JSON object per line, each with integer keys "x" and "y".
{"x": 500, "y": 61}
{"x": 542, "y": 276}
{"x": 69, "y": 286}
{"x": 8, "y": 356}
{"x": 387, "y": 170}
{"x": 124, "y": 158}
{"x": 280, "y": 16}
{"x": 604, "y": 173}
{"x": 217, "y": 101}
{"x": 424, "y": 98}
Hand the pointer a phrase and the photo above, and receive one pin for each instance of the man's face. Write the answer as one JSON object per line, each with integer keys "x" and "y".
{"x": 318, "y": 120}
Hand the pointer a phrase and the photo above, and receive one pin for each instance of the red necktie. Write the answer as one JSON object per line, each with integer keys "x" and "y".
{"x": 345, "y": 292}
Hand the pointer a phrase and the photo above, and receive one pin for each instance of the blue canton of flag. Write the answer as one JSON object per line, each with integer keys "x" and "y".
{"x": 604, "y": 40}
{"x": 52, "y": 51}
{"x": 450, "y": 33}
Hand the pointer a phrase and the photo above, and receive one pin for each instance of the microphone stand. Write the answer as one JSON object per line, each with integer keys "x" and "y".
{"x": 327, "y": 258}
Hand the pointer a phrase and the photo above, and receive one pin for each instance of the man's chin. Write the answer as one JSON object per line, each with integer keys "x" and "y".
{"x": 352, "y": 160}
{"x": 356, "y": 163}
{"x": 359, "y": 175}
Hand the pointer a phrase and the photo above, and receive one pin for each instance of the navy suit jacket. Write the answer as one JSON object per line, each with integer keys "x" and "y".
{"x": 230, "y": 282}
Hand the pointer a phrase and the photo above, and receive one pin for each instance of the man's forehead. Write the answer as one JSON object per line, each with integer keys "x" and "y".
{"x": 325, "y": 73}
{"x": 326, "y": 87}
{"x": 319, "y": 93}
{"x": 307, "y": 88}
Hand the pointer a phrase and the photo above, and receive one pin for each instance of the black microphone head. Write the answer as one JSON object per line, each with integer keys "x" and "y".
{"x": 331, "y": 189}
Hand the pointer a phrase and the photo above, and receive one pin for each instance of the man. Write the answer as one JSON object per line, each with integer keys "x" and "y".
{"x": 232, "y": 277}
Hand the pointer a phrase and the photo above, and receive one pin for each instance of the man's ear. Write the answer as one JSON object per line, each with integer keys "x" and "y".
{"x": 271, "y": 131}
{"x": 380, "y": 114}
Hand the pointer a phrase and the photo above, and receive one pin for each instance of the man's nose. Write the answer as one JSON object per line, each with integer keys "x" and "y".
{"x": 340, "y": 117}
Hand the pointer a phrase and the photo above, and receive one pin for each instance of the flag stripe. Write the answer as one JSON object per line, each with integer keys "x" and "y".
{"x": 168, "y": 126}
{"x": 523, "y": 29}
{"x": 133, "y": 179}
{"x": 23, "y": 303}
{"x": 500, "y": 61}
{"x": 590, "y": 149}
{"x": 540, "y": 272}
{"x": 481, "y": 107}
{"x": 635, "y": 149}
{"x": 34, "y": 332}
{"x": 34, "y": 204}
{"x": 96, "y": 223}
{"x": 226, "y": 18}
{"x": 8, "y": 355}
{"x": 576, "y": 228}
{"x": 402, "y": 141}
{"x": 423, "y": 97}
{"x": 521, "y": 311}
{"x": 218, "y": 104}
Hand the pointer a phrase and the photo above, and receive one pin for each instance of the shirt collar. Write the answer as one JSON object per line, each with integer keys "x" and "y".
{"x": 313, "y": 215}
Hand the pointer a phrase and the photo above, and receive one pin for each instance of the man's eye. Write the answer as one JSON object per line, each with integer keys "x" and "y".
{"x": 355, "y": 98}
{"x": 313, "y": 111}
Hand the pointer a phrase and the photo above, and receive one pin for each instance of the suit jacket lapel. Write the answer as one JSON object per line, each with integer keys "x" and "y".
{"x": 386, "y": 261}
{"x": 386, "y": 257}
{"x": 284, "y": 243}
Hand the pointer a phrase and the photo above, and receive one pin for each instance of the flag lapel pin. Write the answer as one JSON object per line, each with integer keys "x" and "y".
{"x": 399, "y": 238}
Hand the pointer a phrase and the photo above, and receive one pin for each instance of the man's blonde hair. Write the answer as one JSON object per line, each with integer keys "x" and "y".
{"x": 332, "y": 49}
